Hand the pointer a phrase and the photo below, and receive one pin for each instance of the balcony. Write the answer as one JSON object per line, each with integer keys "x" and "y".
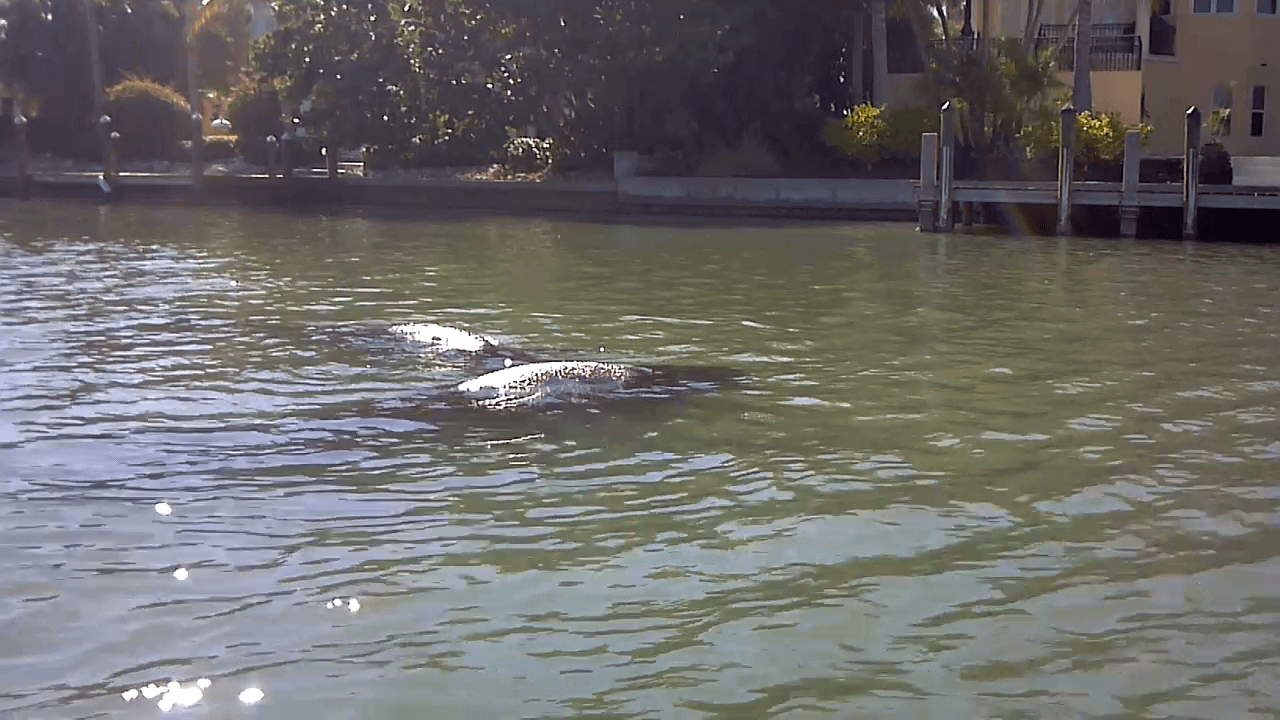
{"x": 1114, "y": 47}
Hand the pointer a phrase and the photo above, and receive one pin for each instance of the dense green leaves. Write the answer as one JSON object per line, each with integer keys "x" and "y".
{"x": 443, "y": 80}
{"x": 427, "y": 82}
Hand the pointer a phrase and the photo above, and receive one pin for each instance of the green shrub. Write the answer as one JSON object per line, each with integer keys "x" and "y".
{"x": 857, "y": 134}
{"x": 218, "y": 147}
{"x": 153, "y": 120}
{"x": 254, "y": 113}
{"x": 530, "y": 154}
{"x": 872, "y": 134}
{"x": 1099, "y": 137}
{"x": 903, "y": 127}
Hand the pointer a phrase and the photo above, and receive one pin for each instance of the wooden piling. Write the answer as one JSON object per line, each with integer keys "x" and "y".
{"x": 287, "y": 158}
{"x": 23, "y": 156}
{"x": 1066, "y": 163}
{"x": 197, "y": 153}
{"x": 1129, "y": 184}
{"x": 112, "y": 170}
{"x": 273, "y": 155}
{"x": 946, "y": 167}
{"x": 1191, "y": 175}
{"x": 331, "y": 161}
{"x": 927, "y": 203}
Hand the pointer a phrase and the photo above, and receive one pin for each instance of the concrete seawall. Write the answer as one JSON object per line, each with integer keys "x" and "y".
{"x": 851, "y": 194}
{"x": 782, "y": 197}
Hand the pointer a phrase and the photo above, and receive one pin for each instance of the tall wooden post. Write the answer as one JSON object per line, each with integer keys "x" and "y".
{"x": 273, "y": 155}
{"x": 108, "y": 181}
{"x": 1191, "y": 175}
{"x": 927, "y": 202}
{"x": 287, "y": 158}
{"x": 331, "y": 161}
{"x": 1129, "y": 185}
{"x": 113, "y": 158}
{"x": 946, "y": 166}
{"x": 1066, "y": 163}
{"x": 20, "y": 144}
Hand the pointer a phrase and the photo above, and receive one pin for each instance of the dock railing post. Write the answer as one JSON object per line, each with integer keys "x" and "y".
{"x": 1066, "y": 163}
{"x": 107, "y": 180}
{"x": 113, "y": 158}
{"x": 287, "y": 158}
{"x": 1191, "y": 175}
{"x": 947, "y": 166}
{"x": 197, "y": 153}
{"x": 927, "y": 202}
{"x": 20, "y": 144}
{"x": 331, "y": 161}
{"x": 1129, "y": 186}
{"x": 273, "y": 155}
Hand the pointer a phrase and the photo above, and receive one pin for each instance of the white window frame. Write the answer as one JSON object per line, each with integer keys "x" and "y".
{"x": 1275, "y": 8}
{"x": 1214, "y": 6}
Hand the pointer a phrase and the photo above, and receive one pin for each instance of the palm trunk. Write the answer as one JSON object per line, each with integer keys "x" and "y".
{"x": 857, "y": 43}
{"x": 1082, "y": 92}
{"x": 879, "y": 53}
{"x": 193, "y": 97}
{"x": 95, "y": 72}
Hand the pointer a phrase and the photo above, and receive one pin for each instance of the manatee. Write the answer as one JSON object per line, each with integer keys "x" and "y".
{"x": 541, "y": 384}
{"x": 445, "y": 338}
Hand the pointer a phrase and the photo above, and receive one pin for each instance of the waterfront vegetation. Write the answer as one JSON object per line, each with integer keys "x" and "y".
{"x": 703, "y": 87}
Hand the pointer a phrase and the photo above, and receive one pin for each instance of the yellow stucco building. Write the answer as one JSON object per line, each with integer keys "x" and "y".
{"x": 1152, "y": 59}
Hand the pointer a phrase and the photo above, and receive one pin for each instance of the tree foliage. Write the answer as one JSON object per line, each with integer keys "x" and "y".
{"x": 443, "y": 80}
{"x": 45, "y": 61}
{"x": 428, "y": 82}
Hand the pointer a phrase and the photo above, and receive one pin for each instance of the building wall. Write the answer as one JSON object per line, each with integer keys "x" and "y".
{"x": 1114, "y": 92}
{"x": 1239, "y": 50}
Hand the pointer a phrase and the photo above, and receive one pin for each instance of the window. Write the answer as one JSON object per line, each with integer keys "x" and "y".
{"x": 1267, "y": 7}
{"x": 1215, "y": 7}
{"x": 1259, "y": 110}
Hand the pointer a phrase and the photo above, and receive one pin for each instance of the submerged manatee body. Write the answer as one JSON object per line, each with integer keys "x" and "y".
{"x": 543, "y": 384}
{"x": 548, "y": 382}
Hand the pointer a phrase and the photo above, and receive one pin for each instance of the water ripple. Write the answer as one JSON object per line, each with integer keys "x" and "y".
{"x": 972, "y": 477}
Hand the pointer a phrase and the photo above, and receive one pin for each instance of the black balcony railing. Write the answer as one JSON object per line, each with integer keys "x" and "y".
{"x": 1051, "y": 30}
{"x": 1106, "y": 52}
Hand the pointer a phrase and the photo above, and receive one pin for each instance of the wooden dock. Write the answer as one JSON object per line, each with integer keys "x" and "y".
{"x": 941, "y": 197}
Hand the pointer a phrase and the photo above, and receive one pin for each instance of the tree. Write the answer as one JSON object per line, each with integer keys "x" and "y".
{"x": 879, "y": 53}
{"x": 46, "y": 58}
{"x": 1082, "y": 92}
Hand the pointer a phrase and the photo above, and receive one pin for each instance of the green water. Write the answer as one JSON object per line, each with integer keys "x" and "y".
{"x": 964, "y": 478}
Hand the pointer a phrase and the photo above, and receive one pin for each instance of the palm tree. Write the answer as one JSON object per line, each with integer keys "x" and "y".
{"x": 201, "y": 14}
{"x": 879, "y": 53}
{"x": 1082, "y": 92}
{"x": 95, "y": 71}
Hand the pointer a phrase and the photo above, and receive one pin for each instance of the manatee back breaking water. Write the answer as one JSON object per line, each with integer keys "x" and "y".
{"x": 959, "y": 477}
